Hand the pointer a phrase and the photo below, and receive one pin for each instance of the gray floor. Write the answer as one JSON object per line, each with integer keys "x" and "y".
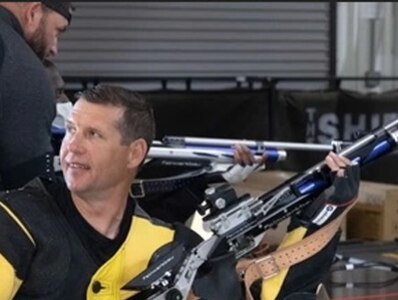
{"x": 368, "y": 270}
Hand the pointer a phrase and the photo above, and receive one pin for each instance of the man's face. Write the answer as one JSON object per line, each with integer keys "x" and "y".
{"x": 44, "y": 40}
{"x": 93, "y": 160}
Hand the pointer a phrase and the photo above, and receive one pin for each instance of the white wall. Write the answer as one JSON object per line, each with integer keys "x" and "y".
{"x": 354, "y": 42}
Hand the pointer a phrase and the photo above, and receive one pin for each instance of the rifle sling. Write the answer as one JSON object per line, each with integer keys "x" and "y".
{"x": 271, "y": 264}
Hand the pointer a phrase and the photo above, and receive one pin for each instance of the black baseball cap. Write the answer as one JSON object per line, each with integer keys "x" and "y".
{"x": 63, "y": 8}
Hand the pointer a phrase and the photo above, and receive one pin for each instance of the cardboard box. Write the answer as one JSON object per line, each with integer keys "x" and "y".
{"x": 262, "y": 182}
{"x": 375, "y": 216}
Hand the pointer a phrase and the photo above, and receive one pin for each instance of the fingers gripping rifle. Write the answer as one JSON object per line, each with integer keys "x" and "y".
{"x": 243, "y": 221}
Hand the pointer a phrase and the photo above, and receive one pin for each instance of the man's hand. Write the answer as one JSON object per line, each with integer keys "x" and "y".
{"x": 346, "y": 180}
{"x": 337, "y": 163}
{"x": 245, "y": 164}
{"x": 244, "y": 157}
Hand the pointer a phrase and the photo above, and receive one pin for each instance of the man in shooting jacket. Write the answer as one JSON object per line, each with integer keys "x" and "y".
{"x": 85, "y": 238}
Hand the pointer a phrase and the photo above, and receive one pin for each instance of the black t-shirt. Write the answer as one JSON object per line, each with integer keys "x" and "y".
{"x": 100, "y": 247}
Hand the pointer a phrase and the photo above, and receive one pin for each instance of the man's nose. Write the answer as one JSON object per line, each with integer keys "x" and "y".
{"x": 75, "y": 144}
{"x": 54, "y": 48}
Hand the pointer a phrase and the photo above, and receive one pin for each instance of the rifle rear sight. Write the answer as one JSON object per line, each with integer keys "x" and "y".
{"x": 218, "y": 199}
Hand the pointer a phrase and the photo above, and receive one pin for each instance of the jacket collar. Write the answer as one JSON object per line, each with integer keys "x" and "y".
{"x": 7, "y": 17}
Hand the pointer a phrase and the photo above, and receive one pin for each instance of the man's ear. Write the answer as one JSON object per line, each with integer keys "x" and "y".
{"x": 31, "y": 17}
{"x": 138, "y": 150}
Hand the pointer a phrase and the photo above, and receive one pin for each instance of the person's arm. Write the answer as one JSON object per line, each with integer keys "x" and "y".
{"x": 16, "y": 250}
{"x": 307, "y": 275}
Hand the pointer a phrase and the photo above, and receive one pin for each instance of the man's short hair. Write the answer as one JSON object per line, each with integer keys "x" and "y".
{"x": 138, "y": 119}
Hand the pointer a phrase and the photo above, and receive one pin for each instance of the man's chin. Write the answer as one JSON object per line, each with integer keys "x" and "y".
{"x": 74, "y": 186}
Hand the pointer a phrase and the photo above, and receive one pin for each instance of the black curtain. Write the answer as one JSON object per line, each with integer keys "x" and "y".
{"x": 296, "y": 118}
{"x": 235, "y": 113}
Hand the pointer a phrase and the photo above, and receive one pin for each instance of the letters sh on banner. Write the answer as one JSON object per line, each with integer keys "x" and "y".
{"x": 325, "y": 115}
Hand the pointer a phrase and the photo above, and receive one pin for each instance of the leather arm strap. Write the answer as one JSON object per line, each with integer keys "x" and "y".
{"x": 273, "y": 263}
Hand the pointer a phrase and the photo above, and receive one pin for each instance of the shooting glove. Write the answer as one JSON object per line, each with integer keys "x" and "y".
{"x": 238, "y": 173}
{"x": 333, "y": 201}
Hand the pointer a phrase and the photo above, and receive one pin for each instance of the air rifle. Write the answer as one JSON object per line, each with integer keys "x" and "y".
{"x": 242, "y": 221}
{"x": 221, "y": 150}
{"x": 257, "y": 146}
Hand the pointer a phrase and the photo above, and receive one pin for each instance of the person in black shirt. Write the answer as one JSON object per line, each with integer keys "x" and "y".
{"x": 29, "y": 32}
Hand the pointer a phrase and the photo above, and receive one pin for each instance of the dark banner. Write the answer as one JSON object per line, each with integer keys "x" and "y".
{"x": 236, "y": 113}
{"x": 296, "y": 118}
{"x": 320, "y": 116}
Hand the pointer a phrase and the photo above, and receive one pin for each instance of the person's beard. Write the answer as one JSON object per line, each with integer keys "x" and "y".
{"x": 38, "y": 40}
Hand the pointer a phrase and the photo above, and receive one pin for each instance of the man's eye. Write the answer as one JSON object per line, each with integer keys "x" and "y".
{"x": 69, "y": 129}
{"x": 95, "y": 134}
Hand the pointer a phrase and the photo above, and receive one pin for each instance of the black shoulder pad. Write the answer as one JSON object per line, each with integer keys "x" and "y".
{"x": 15, "y": 243}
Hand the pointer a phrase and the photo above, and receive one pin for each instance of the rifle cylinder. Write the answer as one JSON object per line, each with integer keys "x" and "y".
{"x": 216, "y": 155}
